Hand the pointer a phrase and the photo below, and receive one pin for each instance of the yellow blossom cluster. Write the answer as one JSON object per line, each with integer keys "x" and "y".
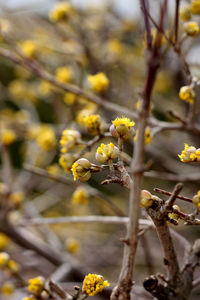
{"x": 94, "y": 284}
{"x": 189, "y": 154}
{"x": 187, "y": 10}
{"x": 28, "y": 48}
{"x": 7, "y": 288}
{"x": 98, "y": 82}
{"x": 187, "y": 94}
{"x": 72, "y": 245}
{"x": 64, "y": 74}
{"x": 66, "y": 161}
{"x": 69, "y": 139}
{"x": 174, "y": 215}
{"x": 80, "y": 196}
{"x": 4, "y": 241}
{"x": 122, "y": 128}
{"x": 36, "y": 285}
{"x": 92, "y": 123}
{"x": 46, "y": 138}
{"x": 8, "y": 263}
{"x": 7, "y": 136}
{"x": 61, "y": 11}
{"x": 191, "y": 28}
{"x": 106, "y": 152}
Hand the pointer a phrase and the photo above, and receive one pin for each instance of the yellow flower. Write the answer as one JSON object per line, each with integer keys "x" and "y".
{"x": 69, "y": 139}
{"x": 45, "y": 88}
{"x": 93, "y": 123}
{"x": 16, "y": 198}
{"x": 7, "y": 136}
{"x": 115, "y": 46}
{"x": 185, "y": 13}
{"x": 197, "y": 153}
{"x": 80, "y": 196}
{"x": 60, "y": 12}
{"x": 4, "y": 240}
{"x": 81, "y": 170}
{"x": 195, "y": 7}
{"x": 187, "y": 94}
{"x": 98, "y": 82}
{"x": 13, "y": 266}
{"x": 36, "y": 285}
{"x": 66, "y": 161}
{"x": 146, "y": 199}
{"x": 7, "y": 288}
{"x": 72, "y": 245}
{"x": 4, "y": 258}
{"x": 94, "y": 284}
{"x": 106, "y": 152}
{"x": 147, "y": 136}
{"x": 69, "y": 98}
{"x": 122, "y": 128}
{"x": 188, "y": 154}
{"x": 64, "y": 74}
{"x": 191, "y": 28}
{"x": 28, "y": 48}
{"x": 21, "y": 91}
{"x": 46, "y": 138}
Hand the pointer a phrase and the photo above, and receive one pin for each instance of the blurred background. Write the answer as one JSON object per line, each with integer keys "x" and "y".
{"x": 98, "y": 36}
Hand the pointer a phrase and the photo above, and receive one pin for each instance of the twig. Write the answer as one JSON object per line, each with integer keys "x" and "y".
{"x": 84, "y": 219}
{"x": 169, "y": 194}
{"x": 172, "y": 199}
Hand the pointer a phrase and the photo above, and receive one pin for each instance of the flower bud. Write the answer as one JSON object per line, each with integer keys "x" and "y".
{"x": 146, "y": 199}
{"x": 106, "y": 152}
{"x": 191, "y": 28}
{"x": 122, "y": 128}
{"x": 81, "y": 169}
{"x": 187, "y": 94}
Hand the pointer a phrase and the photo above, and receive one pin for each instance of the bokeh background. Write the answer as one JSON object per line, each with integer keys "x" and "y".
{"x": 104, "y": 36}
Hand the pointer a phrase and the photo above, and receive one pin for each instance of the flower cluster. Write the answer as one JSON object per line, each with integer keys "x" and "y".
{"x": 66, "y": 161}
{"x": 187, "y": 94}
{"x": 99, "y": 82}
{"x": 69, "y": 139}
{"x": 28, "y": 48}
{"x": 92, "y": 123}
{"x": 36, "y": 285}
{"x": 72, "y": 245}
{"x": 122, "y": 128}
{"x": 64, "y": 74}
{"x": 189, "y": 154}
{"x": 8, "y": 264}
{"x": 106, "y": 153}
{"x": 60, "y": 12}
{"x": 94, "y": 284}
{"x": 191, "y": 28}
{"x": 80, "y": 196}
{"x": 46, "y": 138}
{"x": 7, "y": 136}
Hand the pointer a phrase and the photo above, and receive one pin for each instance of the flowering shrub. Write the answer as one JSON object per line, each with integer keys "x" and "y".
{"x": 95, "y": 110}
